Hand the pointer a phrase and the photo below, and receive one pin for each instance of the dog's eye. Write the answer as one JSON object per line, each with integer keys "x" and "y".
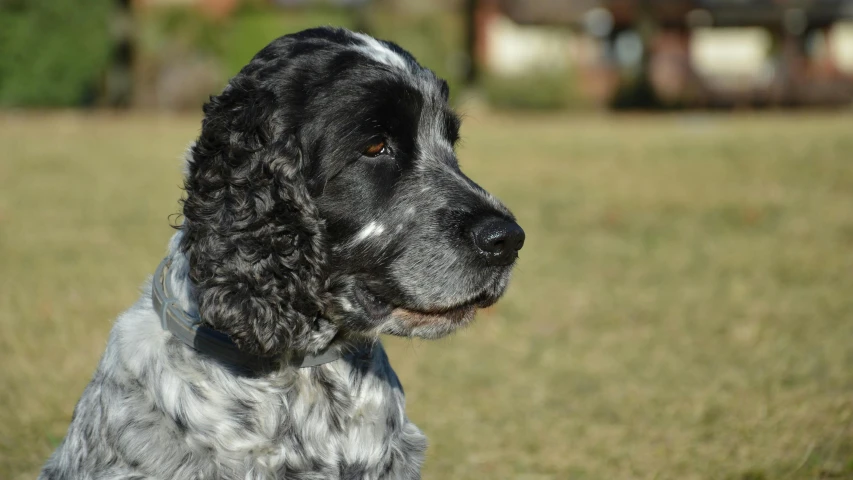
{"x": 376, "y": 149}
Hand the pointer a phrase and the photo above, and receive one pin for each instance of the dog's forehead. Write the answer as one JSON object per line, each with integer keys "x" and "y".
{"x": 399, "y": 61}
{"x": 380, "y": 52}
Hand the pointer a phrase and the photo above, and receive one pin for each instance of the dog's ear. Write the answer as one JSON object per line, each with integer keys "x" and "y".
{"x": 252, "y": 233}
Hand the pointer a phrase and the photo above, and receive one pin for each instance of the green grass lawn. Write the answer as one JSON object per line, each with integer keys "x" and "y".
{"x": 683, "y": 306}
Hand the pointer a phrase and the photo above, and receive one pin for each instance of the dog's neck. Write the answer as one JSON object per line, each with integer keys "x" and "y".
{"x": 173, "y": 297}
{"x": 182, "y": 288}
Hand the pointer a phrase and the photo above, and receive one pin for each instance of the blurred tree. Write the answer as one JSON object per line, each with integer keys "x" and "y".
{"x": 118, "y": 84}
{"x": 53, "y": 52}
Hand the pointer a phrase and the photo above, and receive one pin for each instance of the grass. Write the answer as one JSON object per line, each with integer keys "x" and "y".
{"x": 683, "y": 306}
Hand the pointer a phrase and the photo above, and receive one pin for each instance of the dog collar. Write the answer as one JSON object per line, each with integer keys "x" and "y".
{"x": 193, "y": 333}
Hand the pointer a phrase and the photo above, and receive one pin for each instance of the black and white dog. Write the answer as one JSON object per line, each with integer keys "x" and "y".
{"x": 324, "y": 207}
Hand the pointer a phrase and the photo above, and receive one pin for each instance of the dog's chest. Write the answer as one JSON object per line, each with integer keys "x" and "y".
{"x": 340, "y": 421}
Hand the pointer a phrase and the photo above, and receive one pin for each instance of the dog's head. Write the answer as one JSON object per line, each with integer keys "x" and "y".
{"x": 324, "y": 197}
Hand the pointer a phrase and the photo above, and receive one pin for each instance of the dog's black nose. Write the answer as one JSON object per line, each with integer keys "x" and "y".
{"x": 499, "y": 239}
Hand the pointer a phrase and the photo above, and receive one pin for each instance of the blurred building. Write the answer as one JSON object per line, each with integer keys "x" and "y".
{"x": 686, "y": 52}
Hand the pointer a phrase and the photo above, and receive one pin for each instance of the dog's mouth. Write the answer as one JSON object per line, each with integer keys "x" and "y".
{"x": 379, "y": 308}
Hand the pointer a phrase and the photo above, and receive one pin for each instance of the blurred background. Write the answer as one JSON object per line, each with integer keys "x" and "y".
{"x": 683, "y": 307}
{"x": 545, "y": 54}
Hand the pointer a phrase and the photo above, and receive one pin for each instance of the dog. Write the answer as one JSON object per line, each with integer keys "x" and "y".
{"x": 324, "y": 206}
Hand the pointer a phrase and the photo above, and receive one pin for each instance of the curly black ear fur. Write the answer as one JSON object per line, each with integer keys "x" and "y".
{"x": 252, "y": 233}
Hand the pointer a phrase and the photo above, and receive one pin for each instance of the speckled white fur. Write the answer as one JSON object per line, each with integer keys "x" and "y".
{"x": 158, "y": 409}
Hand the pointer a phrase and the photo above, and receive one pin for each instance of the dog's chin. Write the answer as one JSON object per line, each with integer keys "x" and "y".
{"x": 402, "y": 320}
{"x": 413, "y": 323}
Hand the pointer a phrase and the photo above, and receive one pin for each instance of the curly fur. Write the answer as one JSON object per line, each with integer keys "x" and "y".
{"x": 300, "y": 235}
{"x": 252, "y": 233}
